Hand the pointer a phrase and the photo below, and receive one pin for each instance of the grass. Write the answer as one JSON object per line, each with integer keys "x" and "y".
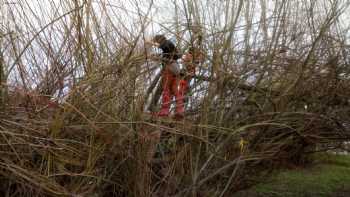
{"x": 329, "y": 176}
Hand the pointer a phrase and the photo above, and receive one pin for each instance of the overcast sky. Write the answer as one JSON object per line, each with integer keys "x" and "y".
{"x": 41, "y": 12}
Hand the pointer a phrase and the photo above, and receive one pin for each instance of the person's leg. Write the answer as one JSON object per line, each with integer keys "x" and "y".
{"x": 181, "y": 88}
{"x": 166, "y": 94}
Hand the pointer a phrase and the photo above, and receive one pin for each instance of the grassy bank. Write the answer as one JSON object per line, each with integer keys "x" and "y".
{"x": 328, "y": 176}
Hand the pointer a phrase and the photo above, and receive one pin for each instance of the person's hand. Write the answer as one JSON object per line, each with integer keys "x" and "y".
{"x": 187, "y": 58}
{"x": 154, "y": 57}
{"x": 150, "y": 42}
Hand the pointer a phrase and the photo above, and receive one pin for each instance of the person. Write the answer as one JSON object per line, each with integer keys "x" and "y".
{"x": 190, "y": 59}
{"x": 170, "y": 77}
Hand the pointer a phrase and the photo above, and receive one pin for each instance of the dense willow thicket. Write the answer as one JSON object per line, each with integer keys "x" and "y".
{"x": 77, "y": 82}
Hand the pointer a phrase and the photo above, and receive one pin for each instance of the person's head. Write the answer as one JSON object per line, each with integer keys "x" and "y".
{"x": 160, "y": 38}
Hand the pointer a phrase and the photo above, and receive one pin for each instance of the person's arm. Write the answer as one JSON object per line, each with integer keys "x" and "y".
{"x": 151, "y": 43}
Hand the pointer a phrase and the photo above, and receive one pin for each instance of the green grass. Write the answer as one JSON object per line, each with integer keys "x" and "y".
{"x": 329, "y": 176}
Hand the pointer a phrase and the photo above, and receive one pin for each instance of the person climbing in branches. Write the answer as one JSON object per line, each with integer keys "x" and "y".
{"x": 191, "y": 59}
{"x": 170, "y": 77}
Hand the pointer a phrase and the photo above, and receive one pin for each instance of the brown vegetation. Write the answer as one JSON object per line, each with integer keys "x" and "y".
{"x": 273, "y": 87}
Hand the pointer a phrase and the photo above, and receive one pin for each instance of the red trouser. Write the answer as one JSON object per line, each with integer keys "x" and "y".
{"x": 172, "y": 86}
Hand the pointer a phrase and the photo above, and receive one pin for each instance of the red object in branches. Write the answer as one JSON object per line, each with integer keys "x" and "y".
{"x": 172, "y": 88}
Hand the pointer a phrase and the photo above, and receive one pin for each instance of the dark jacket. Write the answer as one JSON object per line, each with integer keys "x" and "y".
{"x": 169, "y": 51}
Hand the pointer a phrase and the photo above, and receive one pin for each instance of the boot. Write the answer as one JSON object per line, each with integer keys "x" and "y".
{"x": 180, "y": 109}
{"x": 164, "y": 111}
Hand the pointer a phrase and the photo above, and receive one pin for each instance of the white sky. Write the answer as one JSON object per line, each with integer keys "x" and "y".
{"x": 41, "y": 12}
{"x": 33, "y": 15}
